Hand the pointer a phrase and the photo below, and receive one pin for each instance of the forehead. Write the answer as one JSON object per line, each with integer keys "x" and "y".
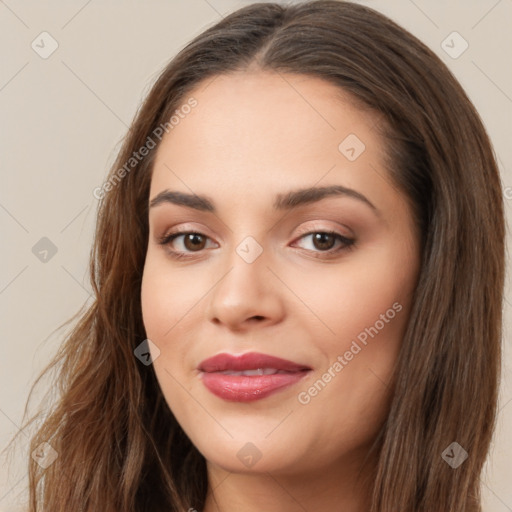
{"x": 256, "y": 131}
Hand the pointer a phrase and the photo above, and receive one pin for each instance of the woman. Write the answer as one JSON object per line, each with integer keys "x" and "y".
{"x": 335, "y": 341}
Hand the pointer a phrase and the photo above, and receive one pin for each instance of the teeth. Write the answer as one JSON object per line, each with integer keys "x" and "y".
{"x": 251, "y": 373}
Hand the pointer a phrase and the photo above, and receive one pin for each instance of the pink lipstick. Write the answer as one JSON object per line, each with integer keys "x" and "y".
{"x": 249, "y": 376}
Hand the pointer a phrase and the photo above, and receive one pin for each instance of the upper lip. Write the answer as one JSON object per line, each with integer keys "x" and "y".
{"x": 248, "y": 361}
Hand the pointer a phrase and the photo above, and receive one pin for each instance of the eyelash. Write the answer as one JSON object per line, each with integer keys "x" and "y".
{"x": 165, "y": 240}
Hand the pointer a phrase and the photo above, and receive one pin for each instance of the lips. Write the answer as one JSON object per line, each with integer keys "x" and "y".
{"x": 248, "y": 361}
{"x": 250, "y": 376}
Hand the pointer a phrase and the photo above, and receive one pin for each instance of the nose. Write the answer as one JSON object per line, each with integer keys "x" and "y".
{"x": 247, "y": 295}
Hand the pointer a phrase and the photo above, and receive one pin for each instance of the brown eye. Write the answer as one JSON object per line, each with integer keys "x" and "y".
{"x": 194, "y": 241}
{"x": 186, "y": 242}
{"x": 323, "y": 241}
{"x": 183, "y": 244}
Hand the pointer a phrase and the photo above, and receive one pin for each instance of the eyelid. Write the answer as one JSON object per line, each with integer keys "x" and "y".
{"x": 170, "y": 235}
{"x": 184, "y": 229}
{"x": 315, "y": 227}
{"x": 319, "y": 227}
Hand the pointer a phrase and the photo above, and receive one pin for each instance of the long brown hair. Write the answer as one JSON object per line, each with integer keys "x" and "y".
{"x": 119, "y": 446}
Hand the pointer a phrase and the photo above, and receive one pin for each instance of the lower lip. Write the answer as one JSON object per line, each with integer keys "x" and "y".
{"x": 241, "y": 388}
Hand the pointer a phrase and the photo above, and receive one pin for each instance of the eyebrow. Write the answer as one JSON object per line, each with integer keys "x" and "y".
{"x": 285, "y": 201}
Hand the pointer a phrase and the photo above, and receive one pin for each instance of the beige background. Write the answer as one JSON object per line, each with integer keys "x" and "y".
{"x": 63, "y": 117}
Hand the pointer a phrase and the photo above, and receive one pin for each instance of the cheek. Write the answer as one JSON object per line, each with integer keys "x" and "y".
{"x": 370, "y": 290}
{"x": 165, "y": 303}
{"x": 365, "y": 304}
{"x": 172, "y": 301}
{"x": 158, "y": 305}
{"x": 167, "y": 297}
{"x": 369, "y": 318}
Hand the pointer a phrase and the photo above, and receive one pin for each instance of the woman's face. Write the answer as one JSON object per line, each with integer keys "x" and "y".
{"x": 263, "y": 276}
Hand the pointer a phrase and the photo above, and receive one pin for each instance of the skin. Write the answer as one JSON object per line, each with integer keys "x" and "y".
{"x": 253, "y": 135}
